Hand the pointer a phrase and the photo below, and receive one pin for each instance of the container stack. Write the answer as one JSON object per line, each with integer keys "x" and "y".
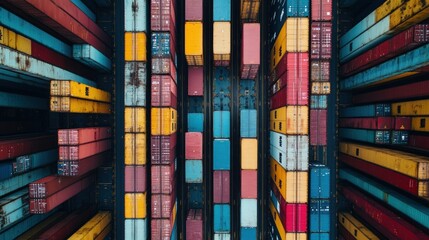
{"x": 249, "y": 68}
{"x": 163, "y": 119}
{"x": 135, "y": 136}
{"x": 382, "y": 124}
{"x": 320, "y": 214}
{"x": 289, "y": 142}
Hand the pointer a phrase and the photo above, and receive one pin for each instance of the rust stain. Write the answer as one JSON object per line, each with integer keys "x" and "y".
{"x": 135, "y": 81}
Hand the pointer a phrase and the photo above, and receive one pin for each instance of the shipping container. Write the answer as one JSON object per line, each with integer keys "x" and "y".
{"x": 221, "y": 41}
{"x": 250, "y": 50}
{"x": 291, "y": 151}
{"x": 250, "y": 9}
{"x": 163, "y": 91}
{"x": 195, "y": 81}
{"x": 82, "y": 166}
{"x": 162, "y": 179}
{"x": 163, "y": 149}
{"x": 162, "y": 205}
{"x": 194, "y": 145}
{"x": 320, "y": 177}
{"x": 221, "y": 154}
{"x": 135, "y": 84}
{"x": 194, "y": 171}
{"x": 194, "y": 225}
{"x": 135, "y": 228}
{"x": 164, "y": 121}
{"x": 82, "y": 151}
{"x": 290, "y": 183}
{"x": 94, "y": 227}
{"x": 135, "y": 149}
{"x": 195, "y": 122}
{"x": 221, "y": 124}
{"x": 194, "y": 10}
{"x": 320, "y": 219}
{"x": 135, "y": 179}
{"x": 321, "y": 10}
{"x": 76, "y": 105}
{"x": 135, "y": 120}
{"x": 249, "y": 184}
{"x": 163, "y": 16}
{"x": 221, "y": 10}
{"x": 318, "y": 127}
{"x": 194, "y": 43}
{"x": 248, "y": 123}
{"x": 78, "y": 90}
{"x": 221, "y": 186}
{"x": 135, "y": 205}
{"x": 321, "y": 40}
{"x": 135, "y": 46}
{"x": 354, "y": 227}
{"x": 221, "y": 218}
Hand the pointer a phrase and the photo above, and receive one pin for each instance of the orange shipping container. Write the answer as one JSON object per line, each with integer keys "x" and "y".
{"x": 135, "y": 46}
{"x": 249, "y": 153}
{"x": 135, "y": 119}
{"x": 135, "y": 205}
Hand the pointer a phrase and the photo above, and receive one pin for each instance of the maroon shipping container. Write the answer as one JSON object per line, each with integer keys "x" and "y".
{"x": 162, "y": 179}
{"x": 250, "y": 50}
{"x": 45, "y": 205}
{"x": 221, "y": 186}
{"x": 320, "y": 70}
{"x": 194, "y": 10}
{"x": 281, "y": 67}
{"x": 294, "y": 92}
{"x": 195, "y": 81}
{"x": 321, "y": 10}
{"x": 49, "y": 185}
{"x": 297, "y": 74}
{"x": 162, "y": 205}
{"x": 391, "y": 177}
{"x": 163, "y": 16}
{"x": 164, "y": 66}
{"x": 376, "y": 123}
{"x": 249, "y": 184}
{"x": 77, "y": 136}
{"x": 163, "y": 149}
{"x": 382, "y": 219}
{"x": 164, "y": 91}
{"x": 318, "y": 122}
{"x": 68, "y": 225}
{"x": 321, "y": 40}
{"x": 12, "y": 148}
{"x": 400, "y": 43}
{"x": 83, "y": 151}
{"x": 194, "y": 224}
{"x": 135, "y": 179}
{"x": 402, "y": 123}
{"x": 161, "y": 229}
{"x": 193, "y": 145}
{"x": 419, "y": 141}
{"x": 81, "y": 167}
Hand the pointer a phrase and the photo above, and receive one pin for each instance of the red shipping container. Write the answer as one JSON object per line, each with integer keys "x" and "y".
{"x": 45, "y": 205}
{"x": 163, "y": 91}
{"x": 297, "y": 74}
{"x": 135, "y": 179}
{"x": 320, "y": 70}
{"x": 221, "y": 186}
{"x": 83, "y": 151}
{"x": 193, "y": 145}
{"x": 402, "y": 123}
{"x": 164, "y": 66}
{"x": 163, "y": 16}
{"x": 318, "y": 122}
{"x": 321, "y": 40}
{"x": 163, "y": 149}
{"x": 292, "y": 93}
{"x": 49, "y": 185}
{"x": 81, "y": 167}
{"x": 249, "y": 184}
{"x": 162, "y": 205}
{"x": 281, "y": 67}
{"x": 161, "y": 229}
{"x": 250, "y": 50}
{"x": 195, "y": 81}
{"x": 376, "y": 123}
{"x": 162, "y": 179}
{"x": 419, "y": 141}
{"x": 79, "y": 136}
{"x": 321, "y": 10}
{"x": 12, "y": 148}
{"x": 194, "y": 224}
{"x": 382, "y": 219}
{"x": 194, "y": 10}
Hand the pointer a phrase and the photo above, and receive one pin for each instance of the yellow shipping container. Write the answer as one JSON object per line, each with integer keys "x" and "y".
{"x": 135, "y": 119}
{"x": 93, "y": 227}
{"x": 420, "y": 124}
{"x": 135, "y": 205}
{"x": 410, "y": 13}
{"x": 249, "y": 153}
{"x": 68, "y": 88}
{"x": 135, "y": 148}
{"x": 4, "y": 36}
{"x": 194, "y": 43}
{"x": 411, "y": 108}
{"x": 296, "y": 121}
{"x": 163, "y": 121}
{"x": 135, "y": 46}
{"x": 412, "y": 165}
{"x": 222, "y": 38}
{"x": 280, "y": 228}
{"x": 278, "y": 114}
{"x": 76, "y": 105}
{"x": 23, "y": 44}
{"x": 321, "y": 88}
{"x": 104, "y": 233}
{"x": 386, "y": 8}
{"x": 355, "y": 228}
{"x": 292, "y": 185}
{"x": 11, "y": 39}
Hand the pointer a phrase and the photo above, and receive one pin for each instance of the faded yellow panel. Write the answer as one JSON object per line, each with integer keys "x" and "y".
{"x": 94, "y": 227}
{"x": 135, "y": 148}
{"x": 321, "y": 88}
{"x": 420, "y": 124}
{"x": 249, "y": 153}
{"x": 135, "y": 46}
{"x": 355, "y": 228}
{"x": 411, "y": 108}
{"x": 297, "y": 37}
{"x": 135, "y": 119}
{"x": 412, "y": 12}
{"x": 293, "y": 185}
{"x": 386, "y": 8}
{"x": 4, "y": 36}
{"x": 75, "y": 105}
{"x": 23, "y": 44}
{"x": 68, "y": 88}
{"x": 222, "y": 38}
{"x": 163, "y": 121}
{"x": 11, "y": 39}
{"x": 193, "y": 38}
{"x": 135, "y": 205}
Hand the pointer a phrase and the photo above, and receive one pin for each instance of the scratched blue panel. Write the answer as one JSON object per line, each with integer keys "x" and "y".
{"x": 135, "y": 15}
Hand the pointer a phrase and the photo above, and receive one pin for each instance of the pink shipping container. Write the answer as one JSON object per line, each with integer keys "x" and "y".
{"x": 195, "y": 81}
{"x": 321, "y": 39}
{"x": 194, "y": 145}
{"x": 321, "y": 10}
{"x": 162, "y": 179}
{"x": 83, "y": 151}
{"x": 80, "y": 167}
{"x": 377, "y": 123}
{"x": 249, "y": 184}
{"x": 161, "y": 229}
{"x": 250, "y": 50}
{"x": 135, "y": 179}
{"x": 194, "y": 225}
{"x": 79, "y": 136}
{"x": 297, "y": 71}
{"x": 45, "y": 205}
{"x": 164, "y": 91}
{"x": 163, "y": 16}
{"x": 162, "y": 205}
{"x": 320, "y": 70}
{"x": 318, "y": 122}
{"x": 194, "y": 10}
{"x": 164, "y": 66}
{"x": 163, "y": 149}
{"x": 402, "y": 123}
{"x": 221, "y": 188}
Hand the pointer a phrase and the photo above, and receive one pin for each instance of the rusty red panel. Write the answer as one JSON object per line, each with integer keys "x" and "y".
{"x": 193, "y": 145}
{"x": 377, "y": 123}
{"x": 221, "y": 186}
{"x": 135, "y": 179}
{"x": 81, "y": 167}
{"x": 163, "y": 149}
{"x": 83, "y": 151}
{"x": 78, "y": 136}
{"x": 164, "y": 91}
{"x": 162, "y": 205}
{"x": 321, "y": 40}
{"x": 12, "y": 148}
{"x": 194, "y": 224}
{"x": 318, "y": 123}
{"x": 162, "y": 179}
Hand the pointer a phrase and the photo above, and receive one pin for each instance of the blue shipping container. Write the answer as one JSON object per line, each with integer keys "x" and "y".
{"x": 319, "y": 236}
{"x": 374, "y": 110}
{"x": 298, "y": 8}
{"x": 195, "y": 195}
{"x": 195, "y": 122}
{"x": 22, "y": 226}
{"x": 248, "y": 123}
{"x": 221, "y": 124}
{"x": 357, "y": 29}
{"x": 221, "y": 154}
{"x": 364, "y": 135}
{"x": 85, "y": 9}
{"x": 399, "y": 137}
{"x": 194, "y": 171}
{"x": 319, "y": 216}
{"x": 90, "y": 56}
{"x": 22, "y": 101}
{"x": 161, "y": 45}
{"x": 5, "y": 170}
{"x": 248, "y": 234}
{"x": 135, "y": 229}
{"x": 221, "y": 10}
{"x": 222, "y": 218}
{"x": 319, "y": 102}
{"x": 14, "y": 183}
{"x": 135, "y": 16}
{"x": 135, "y": 84}
{"x": 249, "y": 213}
{"x": 319, "y": 181}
